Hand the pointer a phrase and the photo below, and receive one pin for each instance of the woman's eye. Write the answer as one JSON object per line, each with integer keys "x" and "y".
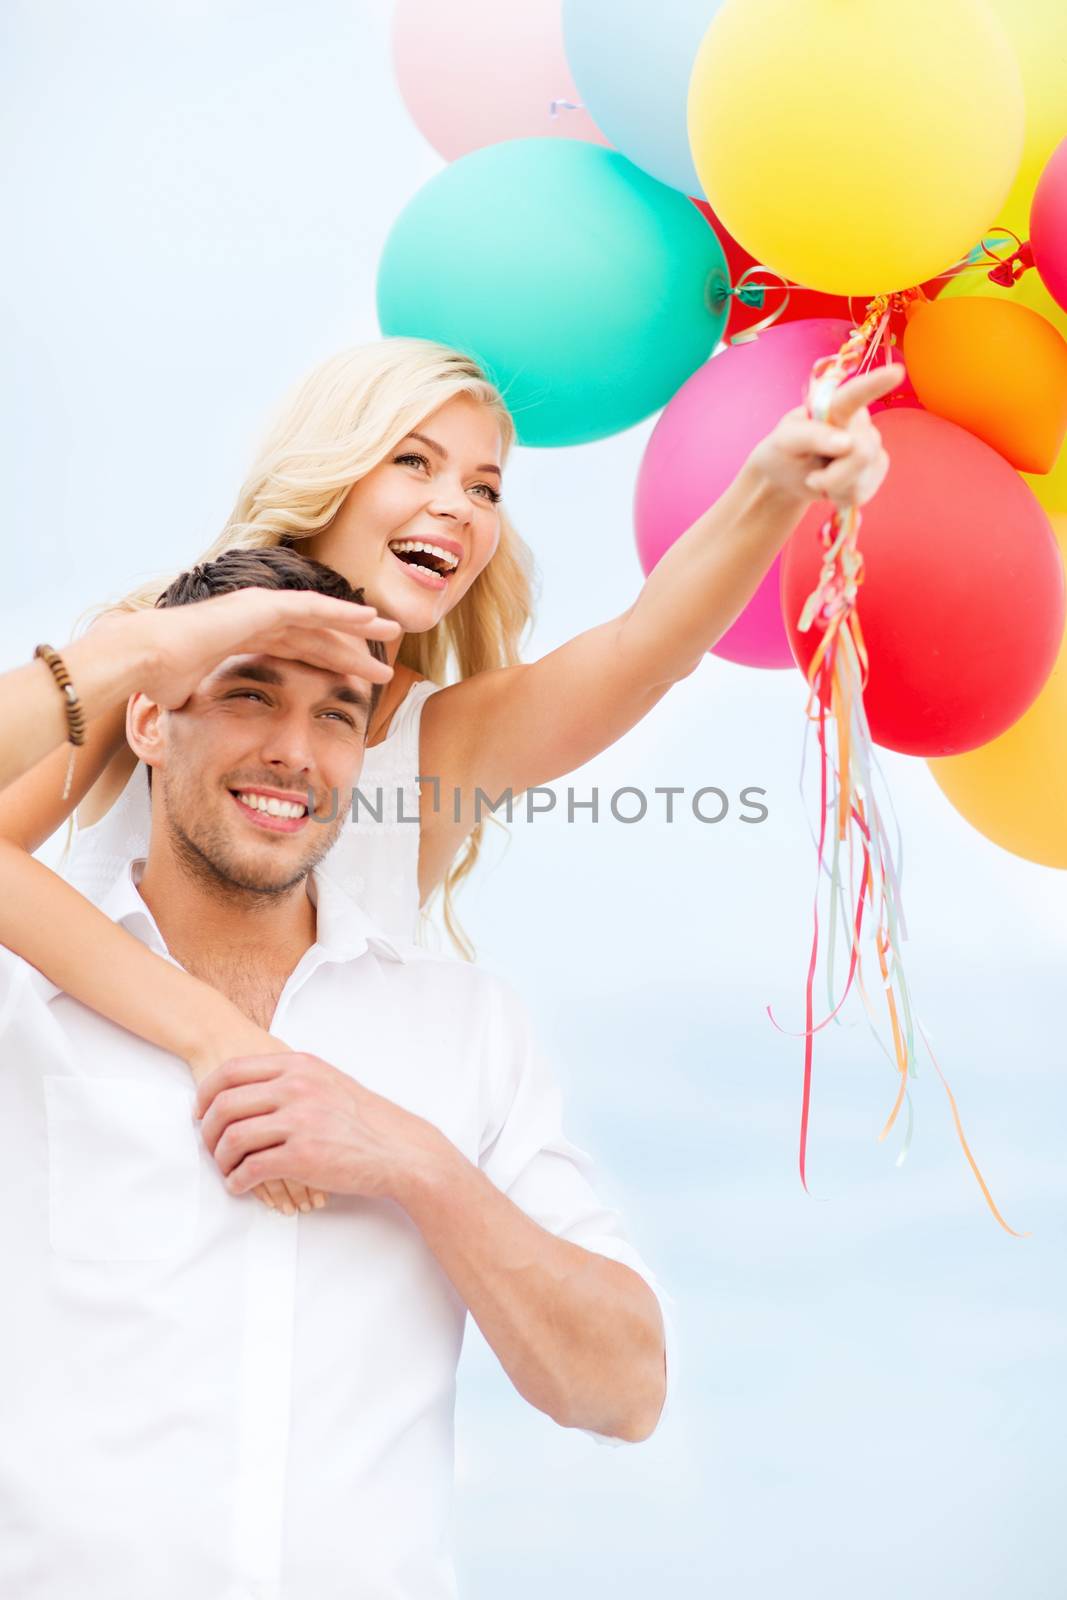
{"x": 491, "y": 495}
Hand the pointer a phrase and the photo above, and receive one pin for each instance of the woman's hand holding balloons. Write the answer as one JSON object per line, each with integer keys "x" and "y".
{"x": 843, "y": 459}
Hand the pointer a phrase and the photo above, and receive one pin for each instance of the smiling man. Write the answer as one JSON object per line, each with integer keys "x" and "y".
{"x": 207, "y": 1397}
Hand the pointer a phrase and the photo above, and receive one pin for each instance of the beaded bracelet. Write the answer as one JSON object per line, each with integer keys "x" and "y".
{"x": 75, "y": 713}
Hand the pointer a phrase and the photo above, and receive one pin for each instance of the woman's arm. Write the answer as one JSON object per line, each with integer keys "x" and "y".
{"x": 165, "y": 654}
{"x": 529, "y": 724}
{"x": 97, "y": 961}
{"x": 33, "y": 719}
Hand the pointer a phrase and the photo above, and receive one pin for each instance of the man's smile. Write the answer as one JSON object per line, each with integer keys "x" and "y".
{"x": 277, "y": 816}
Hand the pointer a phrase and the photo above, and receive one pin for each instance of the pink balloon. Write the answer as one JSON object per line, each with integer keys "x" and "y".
{"x": 1048, "y": 225}
{"x": 477, "y": 72}
{"x": 702, "y": 440}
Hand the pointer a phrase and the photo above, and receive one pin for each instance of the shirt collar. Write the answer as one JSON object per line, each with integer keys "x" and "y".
{"x": 343, "y": 929}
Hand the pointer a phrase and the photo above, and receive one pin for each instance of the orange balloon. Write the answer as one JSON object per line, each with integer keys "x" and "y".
{"x": 994, "y": 367}
{"x": 1014, "y": 789}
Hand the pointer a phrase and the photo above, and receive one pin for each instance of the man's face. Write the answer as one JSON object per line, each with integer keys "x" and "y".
{"x": 258, "y": 727}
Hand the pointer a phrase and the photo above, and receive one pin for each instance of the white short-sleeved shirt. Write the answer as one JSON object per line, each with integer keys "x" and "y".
{"x": 205, "y": 1398}
{"x": 375, "y": 858}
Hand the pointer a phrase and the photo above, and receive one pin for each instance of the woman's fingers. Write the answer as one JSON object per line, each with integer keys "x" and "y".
{"x": 865, "y": 390}
{"x": 800, "y": 436}
{"x": 852, "y": 481}
{"x": 333, "y": 652}
{"x": 298, "y": 1193}
{"x": 276, "y": 1191}
{"x": 314, "y": 609}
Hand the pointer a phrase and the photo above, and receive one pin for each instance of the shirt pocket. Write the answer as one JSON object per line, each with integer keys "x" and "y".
{"x": 123, "y": 1168}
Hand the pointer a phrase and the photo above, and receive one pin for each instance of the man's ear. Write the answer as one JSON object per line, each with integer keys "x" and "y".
{"x": 144, "y": 728}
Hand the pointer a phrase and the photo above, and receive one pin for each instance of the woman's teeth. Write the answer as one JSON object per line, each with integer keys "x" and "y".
{"x": 274, "y": 808}
{"x": 443, "y": 561}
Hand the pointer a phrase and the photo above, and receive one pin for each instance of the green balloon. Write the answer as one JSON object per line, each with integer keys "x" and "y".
{"x": 588, "y": 291}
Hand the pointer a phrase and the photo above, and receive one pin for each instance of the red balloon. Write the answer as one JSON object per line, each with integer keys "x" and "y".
{"x": 962, "y": 603}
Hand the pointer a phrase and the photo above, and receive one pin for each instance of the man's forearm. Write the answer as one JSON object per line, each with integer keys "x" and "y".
{"x": 580, "y": 1336}
{"x": 33, "y": 718}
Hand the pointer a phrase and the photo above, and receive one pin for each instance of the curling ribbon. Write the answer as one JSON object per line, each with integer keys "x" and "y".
{"x": 746, "y": 293}
{"x": 1008, "y": 269}
{"x": 837, "y": 676}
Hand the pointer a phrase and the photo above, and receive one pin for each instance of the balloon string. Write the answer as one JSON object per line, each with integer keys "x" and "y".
{"x": 1008, "y": 270}
{"x": 837, "y": 676}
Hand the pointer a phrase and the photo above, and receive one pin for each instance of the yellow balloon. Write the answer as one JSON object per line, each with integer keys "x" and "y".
{"x": 856, "y": 148}
{"x": 1014, "y": 789}
{"x": 1038, "y": 31}
{"x": 1050, "y": 487}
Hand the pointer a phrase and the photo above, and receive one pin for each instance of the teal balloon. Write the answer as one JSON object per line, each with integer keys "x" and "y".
{"x": 587, "y": 291}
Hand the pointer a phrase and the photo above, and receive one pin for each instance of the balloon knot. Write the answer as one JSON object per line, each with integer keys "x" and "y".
{"x": 1011, "y": 269}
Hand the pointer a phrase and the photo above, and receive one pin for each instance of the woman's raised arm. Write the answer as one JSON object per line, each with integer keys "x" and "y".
{"x": 520, "y": 726}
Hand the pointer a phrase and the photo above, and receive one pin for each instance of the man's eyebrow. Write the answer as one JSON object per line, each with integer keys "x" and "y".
{"x": 259, "y": 672}
{"x": 486, "y": 466}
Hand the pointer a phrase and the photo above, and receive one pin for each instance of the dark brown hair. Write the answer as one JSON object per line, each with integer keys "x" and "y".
{"x": 276, "y": 568}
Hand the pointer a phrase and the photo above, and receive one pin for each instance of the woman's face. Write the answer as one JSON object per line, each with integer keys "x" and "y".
{"x": 440, "y": 492}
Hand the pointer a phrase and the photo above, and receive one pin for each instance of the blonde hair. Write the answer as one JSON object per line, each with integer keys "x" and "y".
{"x": 337, "y": 424}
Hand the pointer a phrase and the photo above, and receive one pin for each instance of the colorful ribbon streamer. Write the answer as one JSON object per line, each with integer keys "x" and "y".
{"x": 837, "y": 676}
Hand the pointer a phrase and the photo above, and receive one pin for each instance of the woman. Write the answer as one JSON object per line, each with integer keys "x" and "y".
{"x": 387, "y": 465}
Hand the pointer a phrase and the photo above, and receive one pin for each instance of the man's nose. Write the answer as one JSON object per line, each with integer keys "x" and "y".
{"x": 287, "y": 744}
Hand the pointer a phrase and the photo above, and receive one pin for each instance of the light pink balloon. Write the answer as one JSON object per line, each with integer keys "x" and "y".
{"x": 699, "y": 445}
{"x": 1048, "y": 225}
{"x": 476, "y": 72}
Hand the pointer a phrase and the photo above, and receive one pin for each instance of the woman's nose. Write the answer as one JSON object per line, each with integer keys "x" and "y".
{"x": 450, "y": 500}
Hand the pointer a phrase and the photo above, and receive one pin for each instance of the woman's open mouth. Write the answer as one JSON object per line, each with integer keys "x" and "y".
{"x": 277, "y": 816}
{"x": 429, "y": 564}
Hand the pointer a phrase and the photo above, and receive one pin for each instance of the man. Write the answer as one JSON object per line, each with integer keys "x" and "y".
{"x": 206, "y": 1398}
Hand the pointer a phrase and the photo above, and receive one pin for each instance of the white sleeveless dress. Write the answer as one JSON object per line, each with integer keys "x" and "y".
{"x": 376, "y": 862}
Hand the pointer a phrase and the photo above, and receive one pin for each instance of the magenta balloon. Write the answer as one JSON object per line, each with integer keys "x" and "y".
{"x": 699, "y": 445}
{"x": 1048, "y": 225}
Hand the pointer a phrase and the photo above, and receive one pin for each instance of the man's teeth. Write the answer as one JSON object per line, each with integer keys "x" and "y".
{"x": 448, "y": 558}
{"x": 274, "y": 808}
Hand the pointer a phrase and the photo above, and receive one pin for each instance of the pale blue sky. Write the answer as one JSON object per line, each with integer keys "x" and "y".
{"x": 871, "y": 1397}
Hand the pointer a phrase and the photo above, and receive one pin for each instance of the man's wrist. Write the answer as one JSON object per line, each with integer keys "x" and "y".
{"x": 428, "y": 1164}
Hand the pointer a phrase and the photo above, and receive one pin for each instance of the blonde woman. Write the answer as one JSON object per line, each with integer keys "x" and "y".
{"x": 388, "y": 465}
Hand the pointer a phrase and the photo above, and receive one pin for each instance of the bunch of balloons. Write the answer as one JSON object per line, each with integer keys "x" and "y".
{"x": 614, "y": 167}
